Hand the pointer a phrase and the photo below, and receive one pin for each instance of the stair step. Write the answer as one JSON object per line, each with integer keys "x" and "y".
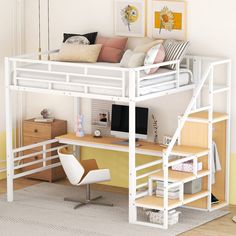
{"x": 177, "y": 176}
{"x": 182, "y": 150}
{"x": 203, "y": 116}
{"x": 153, "y": 202}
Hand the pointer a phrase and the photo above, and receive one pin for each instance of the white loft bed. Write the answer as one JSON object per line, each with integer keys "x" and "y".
{"x": 27, "y": 73}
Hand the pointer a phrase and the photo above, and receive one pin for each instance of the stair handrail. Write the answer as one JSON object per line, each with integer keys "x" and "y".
{"x": 188, "y": 111}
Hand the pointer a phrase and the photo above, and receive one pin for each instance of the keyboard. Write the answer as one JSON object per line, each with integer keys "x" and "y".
{"x": 125, "y": 143}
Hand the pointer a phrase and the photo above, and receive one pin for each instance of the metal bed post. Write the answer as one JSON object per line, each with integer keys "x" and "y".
{"x": 228, "y": 83}
{"x": 210, "y": 127}
{"x": 166, "y": 176}
{"x": 9, "y": 136}
{"x": 132, "y": 156}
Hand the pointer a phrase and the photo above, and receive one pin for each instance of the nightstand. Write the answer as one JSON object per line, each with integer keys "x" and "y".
{"x": 34, "y": 132}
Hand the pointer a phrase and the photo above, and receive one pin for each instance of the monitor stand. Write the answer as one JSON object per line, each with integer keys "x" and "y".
{"x": 126, "y": 142}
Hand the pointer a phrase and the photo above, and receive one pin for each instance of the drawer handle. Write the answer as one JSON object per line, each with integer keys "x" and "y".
{"x": 36, "y": 157}
{"x": 36, "y": 131}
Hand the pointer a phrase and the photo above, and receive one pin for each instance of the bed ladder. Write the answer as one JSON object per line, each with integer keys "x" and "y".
{"x": 174, "y": 149}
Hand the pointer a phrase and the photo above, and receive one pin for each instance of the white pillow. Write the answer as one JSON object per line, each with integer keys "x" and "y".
{"x": 155, "y": 55}
{"x": 131, "y": 59}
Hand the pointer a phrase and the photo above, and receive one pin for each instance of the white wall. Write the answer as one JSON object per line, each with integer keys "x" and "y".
{"x": 7, "y": 47}
{"x": 210, "y": 30}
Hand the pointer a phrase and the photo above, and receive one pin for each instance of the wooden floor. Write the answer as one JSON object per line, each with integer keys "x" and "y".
{"x": 221, "y": 227}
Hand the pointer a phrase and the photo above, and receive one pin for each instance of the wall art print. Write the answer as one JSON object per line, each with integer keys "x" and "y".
{"x": 130, "y": 18}
{"x": 169, "y": 19}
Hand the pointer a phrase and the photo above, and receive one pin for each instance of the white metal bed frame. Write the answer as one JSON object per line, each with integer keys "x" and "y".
{"x": 16, "y": 154}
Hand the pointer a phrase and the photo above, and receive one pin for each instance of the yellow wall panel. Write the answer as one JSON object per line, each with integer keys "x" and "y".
{"x": 2, "y": 152}
{"x": 233, "y": 179}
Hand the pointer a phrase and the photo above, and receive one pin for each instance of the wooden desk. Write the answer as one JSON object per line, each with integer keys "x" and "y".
{"x": 146, "y": 148}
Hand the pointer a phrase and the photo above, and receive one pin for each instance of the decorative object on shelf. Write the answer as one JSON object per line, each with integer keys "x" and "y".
{"x": 187, "y": 167}
{"x": 157, "y": 217}
{"x": 130, "y": 18}
{"x": 97, "y": 133}
{"x": 102, "y": 118}
{"x": 155, "y": 128}
{"x": 45, "y": 113}
{"x": 169, "y": 19}
{"x": 167, "y": 140}
{"x": 193, "y": 187}
{"x": 79, "y": 126}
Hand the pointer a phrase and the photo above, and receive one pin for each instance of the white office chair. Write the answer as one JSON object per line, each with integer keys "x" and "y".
{"x": 83, "y": 173}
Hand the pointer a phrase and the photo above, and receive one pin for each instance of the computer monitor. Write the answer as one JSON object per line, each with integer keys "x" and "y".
{"x": 120, "y": 121}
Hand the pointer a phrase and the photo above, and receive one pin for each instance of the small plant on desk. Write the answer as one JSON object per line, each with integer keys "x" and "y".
{"x": 155, "y": 128}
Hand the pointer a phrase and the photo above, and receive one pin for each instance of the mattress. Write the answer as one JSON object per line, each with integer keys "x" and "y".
{"x": 28, "y": 74}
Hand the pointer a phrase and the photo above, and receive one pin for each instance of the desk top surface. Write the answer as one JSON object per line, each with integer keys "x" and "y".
{"x": 109, "y": 143}
{"x": 147, "y": 148}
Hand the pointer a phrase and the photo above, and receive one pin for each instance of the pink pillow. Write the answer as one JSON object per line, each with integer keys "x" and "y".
{"x": 155, "y": 55}
{"x": 112, "y": 49}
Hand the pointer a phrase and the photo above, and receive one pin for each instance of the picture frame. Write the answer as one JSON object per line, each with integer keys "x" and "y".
{"x": 169, "y": 19}
{"x": 130, "y": 18}
{"x": 103, "y": 118}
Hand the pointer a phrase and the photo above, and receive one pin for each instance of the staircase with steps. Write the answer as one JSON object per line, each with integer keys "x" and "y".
{"x": 197, "y": 128}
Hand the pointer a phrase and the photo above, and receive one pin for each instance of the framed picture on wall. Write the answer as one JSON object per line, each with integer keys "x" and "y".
{"x": 130, "y": 18}
{"x": 169, "y": 19}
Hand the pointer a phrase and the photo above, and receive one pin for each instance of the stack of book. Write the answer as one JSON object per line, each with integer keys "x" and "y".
{"x": 173, "y": 193}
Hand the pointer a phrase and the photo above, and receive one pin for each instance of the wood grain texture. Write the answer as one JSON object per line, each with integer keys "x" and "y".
{"x": 35, "y": 132}
{"x": 196, "y": 133}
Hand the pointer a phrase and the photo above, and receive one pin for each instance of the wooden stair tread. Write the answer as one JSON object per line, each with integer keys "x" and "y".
{"x": 156, "y": 202}
{"x": 204, "y": 116}
{"x": 188, "y": 197}
{"x": 177, "y": 176}
{"x": 188, "y": 150}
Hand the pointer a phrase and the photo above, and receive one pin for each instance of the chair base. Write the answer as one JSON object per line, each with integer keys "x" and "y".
{"x": 88, "y": 200}
{"x": 85, "y": 202}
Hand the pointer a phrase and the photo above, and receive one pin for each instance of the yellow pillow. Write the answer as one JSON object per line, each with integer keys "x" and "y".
{"x": 79, "y": 52}
{"x": 144, "y": 48}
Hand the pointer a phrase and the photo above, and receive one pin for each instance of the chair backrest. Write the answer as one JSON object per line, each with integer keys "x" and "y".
{"x": 72, "y": 167}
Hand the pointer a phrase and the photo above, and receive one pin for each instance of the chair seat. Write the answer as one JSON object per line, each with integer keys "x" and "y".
{"x": 94, "y": 176}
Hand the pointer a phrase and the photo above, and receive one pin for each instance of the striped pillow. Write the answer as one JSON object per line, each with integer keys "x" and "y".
{"x": 175, "y": 50}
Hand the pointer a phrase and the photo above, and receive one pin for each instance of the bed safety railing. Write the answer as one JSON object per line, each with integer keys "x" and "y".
{"x": 61, "y": 78}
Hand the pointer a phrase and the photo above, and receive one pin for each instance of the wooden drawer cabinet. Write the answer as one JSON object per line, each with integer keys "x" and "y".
{"x": 35, "y": 132}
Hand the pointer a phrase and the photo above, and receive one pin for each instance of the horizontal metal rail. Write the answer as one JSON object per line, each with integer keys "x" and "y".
{"x": 154, "y": 76}
{"x": 142, "y": 185}
{"x": 146, "y": 174}
{"x": 84, "y": 75}
{"x": 31, "y": 146}
{"x": 36, "y": 162}
{"x": 147, "y": 165}
{"x": 30, "y": 172}
{"x": 37, "y": 153}
{"x": 55, "y": 82}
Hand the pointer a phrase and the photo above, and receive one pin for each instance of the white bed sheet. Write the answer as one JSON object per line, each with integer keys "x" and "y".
{"x": 185, "y": 79}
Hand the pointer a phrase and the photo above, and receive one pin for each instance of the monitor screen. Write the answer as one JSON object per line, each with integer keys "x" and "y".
{"x": 120, "y": 121}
